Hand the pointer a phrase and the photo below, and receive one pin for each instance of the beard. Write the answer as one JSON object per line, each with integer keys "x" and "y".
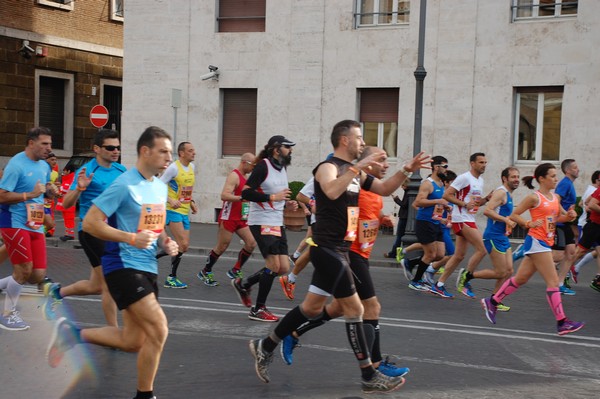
{"x": 286, "y": 160}
{"x": 442, "y": 176}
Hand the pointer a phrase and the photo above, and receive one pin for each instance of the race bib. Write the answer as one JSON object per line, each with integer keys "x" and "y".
{"x": 245, "y": 210}
{"x": 185, "y": 194}
{"x": 352, "y": 223}
{"x": 152, "y": 218}
{"x": 367, "y": 233}
{"x": 35, "y": 215}
{"x": 270, "y": 231}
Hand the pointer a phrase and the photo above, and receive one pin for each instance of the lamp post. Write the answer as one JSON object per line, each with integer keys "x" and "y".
{"x": 409, "y": 236}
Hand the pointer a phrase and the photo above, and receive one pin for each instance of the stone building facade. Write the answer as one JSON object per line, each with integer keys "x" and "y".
{"x": 517, "y": 80}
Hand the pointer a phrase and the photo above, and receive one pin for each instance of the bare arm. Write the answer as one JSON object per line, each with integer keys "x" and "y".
{"x": 593, "y": 204}
{"x": 528, "y": 202}
{"x": 387, "y": 187}
{"x": 10, "y": 197}
{"x": 231, "y": 183}
{"x": 498, "y": 198}
{"x": 421, "y": 200}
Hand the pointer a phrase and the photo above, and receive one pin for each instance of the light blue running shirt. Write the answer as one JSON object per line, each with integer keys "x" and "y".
{"x": 122, "y": 203}
{"x": 103, "y": 177}
{"x": 20, "y": 176}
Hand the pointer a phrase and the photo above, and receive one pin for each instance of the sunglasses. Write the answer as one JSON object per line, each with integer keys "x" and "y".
{"x": 249, "y": 163}
{"x": 443, "y": 166}
{"x": 112, "y": 147}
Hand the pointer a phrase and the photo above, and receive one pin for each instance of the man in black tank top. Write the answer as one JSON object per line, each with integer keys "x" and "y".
{"x": 337, "y": 185}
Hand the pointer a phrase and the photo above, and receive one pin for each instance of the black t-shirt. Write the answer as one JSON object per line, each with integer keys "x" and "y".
{"x": 332, "y": 215}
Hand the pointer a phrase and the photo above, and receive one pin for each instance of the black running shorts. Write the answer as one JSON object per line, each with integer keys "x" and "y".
{"x": 128, "y": 286}
{"x": 362, "y": 276}
{"x": 93, "y": 248}
{"x": 332, "y": 272}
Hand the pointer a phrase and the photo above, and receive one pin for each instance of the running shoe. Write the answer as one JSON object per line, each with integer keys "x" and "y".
{"x": 595, "y": 285}
{"x": 42, "y": 284}
{"x": 13, "y": 322}
{"x": 441, "y": 291}
{"x": 233, "y": 273}
{"x": 288, "y": 344}
{"x": 574, "y": 274}
{"x": 262, "y": 359}
{"x": 174, "y": 282}
{"x": 287, "y": 287}
{"x": 468, "y": 291}
{"x": 461, "y": 279}
{"x": 64, "y": 337}
{"x": 242, "y": 293}
{"x": 418, "y": 286}
{"x": 569, "y": 326}
{"x": 406, "y": 269}
{"x": 567, "y": 280}
{"x": 518, "y": 253}
{"x": 399, "y": 254}
{"x": 382, "y": 383}
{"x": 262, "y": 314}
{"x": 429, "y": 277}
{"x": 490, "y": 309}
{"x": 565, "y": 290}
{"x": 440, "y": 270}
{"x": 292, "y": 261}
{"x": 52, "y": 301}
{"x": 389, "y": 368}
{"x": 208, "y": 278}
{"x": 502, "y": 307}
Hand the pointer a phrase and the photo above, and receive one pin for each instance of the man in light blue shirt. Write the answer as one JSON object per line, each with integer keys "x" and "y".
{"x": 25, "y": 181}
{"x": 135, "y": 207}
{"x": 91, "y": 180}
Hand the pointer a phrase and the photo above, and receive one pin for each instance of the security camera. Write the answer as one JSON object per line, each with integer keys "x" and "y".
{"x": 213, "y": 74}
{"x": 26, "y": 47}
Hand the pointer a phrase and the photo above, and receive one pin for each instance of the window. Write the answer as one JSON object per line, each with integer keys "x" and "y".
{"x": 239, "y": 121}
{"x": 379, "y": 117}
{"x": 67, "y": 5}
{"x": 117, "y": 10}
{"x": 529, "y": 9}
{"x": 54, "y": 94}
{"x": 537, "y": 124}
{"x": 381, "y": 12}
{"x": 241, "y": 15}
{"x": 111, "y": 96}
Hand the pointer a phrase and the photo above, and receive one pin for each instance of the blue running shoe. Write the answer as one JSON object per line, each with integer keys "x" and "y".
{"x": 518, "y": 253}
{"x": 417, "y": 286}
{"x": 441, "y": 291}
{"x": 389, "y": 368}
{"x": 565, "y": 290}
{"x": 52, "y": 301}
{"x": 467, "y": 291}
{"x": 288, "y": 345}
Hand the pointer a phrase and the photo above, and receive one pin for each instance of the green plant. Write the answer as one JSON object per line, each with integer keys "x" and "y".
{"x": 295, "y": 186}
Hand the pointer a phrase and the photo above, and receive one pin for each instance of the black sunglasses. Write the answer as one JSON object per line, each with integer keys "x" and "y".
{"x": 112, "y": 147}
{"x": 443, "y": 166}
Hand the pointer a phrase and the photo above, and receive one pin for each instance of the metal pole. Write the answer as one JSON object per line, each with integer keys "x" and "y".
{"x": 409, "y": 236}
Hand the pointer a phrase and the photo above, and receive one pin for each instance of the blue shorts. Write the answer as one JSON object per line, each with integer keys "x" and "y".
{"x": 448, "y": 242}
{"x": 176, "y": 217}
{"x": 534, "y": 246}
{"x": 498, "y": 244}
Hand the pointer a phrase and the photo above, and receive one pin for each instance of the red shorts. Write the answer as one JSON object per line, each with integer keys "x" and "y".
{"x": 233, "y": 225}
{"x": 457, "y": 227}
{"x": 25, "y": 246}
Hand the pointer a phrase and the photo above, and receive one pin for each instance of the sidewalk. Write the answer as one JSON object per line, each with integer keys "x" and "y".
{"x": 203, "y": 237}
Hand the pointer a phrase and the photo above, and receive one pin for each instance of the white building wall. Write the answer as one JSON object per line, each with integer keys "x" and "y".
{"x": 308, "y": 65}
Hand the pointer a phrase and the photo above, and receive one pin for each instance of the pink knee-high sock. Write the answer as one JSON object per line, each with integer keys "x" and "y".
{"x": 507, "y": 288}
{"x": 555, "y": 302}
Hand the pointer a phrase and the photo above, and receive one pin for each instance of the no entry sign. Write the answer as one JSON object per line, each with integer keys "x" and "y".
{"x": 99, "y": 115}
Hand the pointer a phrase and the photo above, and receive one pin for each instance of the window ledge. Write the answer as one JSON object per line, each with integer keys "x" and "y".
{"x": 67, "y": 7}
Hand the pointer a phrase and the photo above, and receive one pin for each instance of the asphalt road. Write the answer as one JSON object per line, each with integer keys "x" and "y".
{"x": 451, "y": 348}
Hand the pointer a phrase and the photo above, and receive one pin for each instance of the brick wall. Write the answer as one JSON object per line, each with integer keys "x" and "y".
{"x": 89, "y": 21}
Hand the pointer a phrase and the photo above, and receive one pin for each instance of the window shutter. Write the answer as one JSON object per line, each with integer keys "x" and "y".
{"x": 239, "y": 121}
{"x": 242, "y": 15}
{"x": 379, "y": 105}
{"x": 52, "y": 109}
